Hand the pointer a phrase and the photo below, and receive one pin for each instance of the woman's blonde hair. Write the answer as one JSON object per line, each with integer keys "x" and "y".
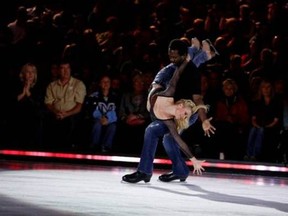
{"x": 24, "y": 69}
{"x": 182, "y": 124}
{"x": 230, "y": 82}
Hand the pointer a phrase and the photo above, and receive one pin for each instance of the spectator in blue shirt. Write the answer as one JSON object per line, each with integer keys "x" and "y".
{"x": 104, "y": 115}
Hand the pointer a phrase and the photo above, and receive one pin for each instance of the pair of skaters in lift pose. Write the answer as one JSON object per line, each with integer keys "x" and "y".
{"x": 176, "y": 115}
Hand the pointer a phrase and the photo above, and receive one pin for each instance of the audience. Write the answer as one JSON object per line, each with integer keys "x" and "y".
{"x": 99, "y": 37}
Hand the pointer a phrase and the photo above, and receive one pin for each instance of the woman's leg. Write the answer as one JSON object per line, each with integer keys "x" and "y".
{"x": 109, "y": 136}
{"x": 250, "y": 142}
{"x": 170, "y": 90}
{"x": 96, "y": 133}
{"x": 258, "y": 141}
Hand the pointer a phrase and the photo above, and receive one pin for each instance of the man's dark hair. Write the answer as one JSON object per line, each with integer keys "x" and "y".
{"x": 64, "y": 61}
{"x": 179, "y": 45}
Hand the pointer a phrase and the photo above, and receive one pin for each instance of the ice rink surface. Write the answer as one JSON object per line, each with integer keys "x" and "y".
{"x": 31, "y": 188}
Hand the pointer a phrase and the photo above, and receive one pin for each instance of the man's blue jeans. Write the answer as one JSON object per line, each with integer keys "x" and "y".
{"x": 153, "y": 133}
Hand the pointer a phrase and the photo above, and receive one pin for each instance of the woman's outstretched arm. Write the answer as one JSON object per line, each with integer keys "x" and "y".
{"x": 197, "y": 164}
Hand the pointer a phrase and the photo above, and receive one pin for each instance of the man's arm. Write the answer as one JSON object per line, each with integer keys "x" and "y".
{"x": 154, "y": 87}
{"x": 75, "y": 110}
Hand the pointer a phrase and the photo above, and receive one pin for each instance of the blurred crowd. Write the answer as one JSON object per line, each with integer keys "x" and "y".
{"x": 108, "y": 51}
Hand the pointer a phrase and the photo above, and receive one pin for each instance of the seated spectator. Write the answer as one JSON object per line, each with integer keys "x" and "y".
{"x": 266, "y": 68}
{"x": 104, "y": 104}
{"x": 279, "y": 87}
{"x": 134, "y": 116}
{"x": 231, "y": 120}
{"x": 265, "y": 129}
{"x": 251, "y": 60}
{"x": 116, "y": 85}
{"x": 64, "y": 99}
{"x": 27, "y": 108}
{"x": 237, "y": 73}
{"x": 283, "y": 144}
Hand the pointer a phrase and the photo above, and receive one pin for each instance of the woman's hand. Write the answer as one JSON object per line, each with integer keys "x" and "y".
{"x": 197, "y": 164}
{"x": 133, "y": 119}
{"x": 207, "y": 127}
{"x": 104, "y": 120}
{"x": 26, "y": 88}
